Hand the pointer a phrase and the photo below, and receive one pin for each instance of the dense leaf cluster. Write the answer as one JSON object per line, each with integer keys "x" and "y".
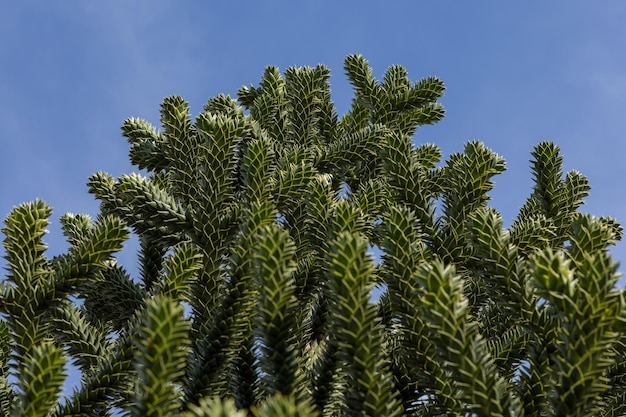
{"x": 267, "y": 224}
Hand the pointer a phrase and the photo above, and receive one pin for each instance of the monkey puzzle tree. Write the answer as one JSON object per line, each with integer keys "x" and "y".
{"x": 265, "y": 224}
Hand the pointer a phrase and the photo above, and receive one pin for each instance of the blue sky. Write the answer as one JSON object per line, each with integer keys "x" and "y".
{"x": 516, "y": 73}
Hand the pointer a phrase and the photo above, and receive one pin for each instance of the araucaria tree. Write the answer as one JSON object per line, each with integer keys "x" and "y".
{"x": 298, "y": 263}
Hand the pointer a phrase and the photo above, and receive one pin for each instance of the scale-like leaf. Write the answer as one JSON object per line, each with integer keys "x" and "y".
{"x": 160, "y": 357}
{"x": 366, "y": 390}
{"x": 277, "y": 331}
{"x": 41, "y": 378}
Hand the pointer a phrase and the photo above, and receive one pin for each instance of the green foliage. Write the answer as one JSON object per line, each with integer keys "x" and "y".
{"x": 298, "y": 263}
{"x": 276, "y": 317}
{"x": 41, "y": 378}
{"x": 358, "y": 335}
{"x": 159, "y": 357}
